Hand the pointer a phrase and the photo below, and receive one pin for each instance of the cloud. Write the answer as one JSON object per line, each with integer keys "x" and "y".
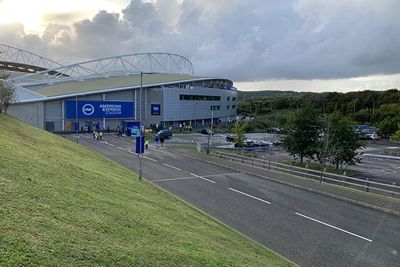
{"x": 241, "y": 40}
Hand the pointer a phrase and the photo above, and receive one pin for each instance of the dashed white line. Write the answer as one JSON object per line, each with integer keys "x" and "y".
{"x": 174, "y": 179}
{"x": 243, "y": 193}
{"x": 198, "y": 176}
{"x": 334, "y": 227}
{"x": 120, "y": 148}
{"x": 150, "y": 159}
{"x": 110, "y": 144}
{"x": 165, "y": 164}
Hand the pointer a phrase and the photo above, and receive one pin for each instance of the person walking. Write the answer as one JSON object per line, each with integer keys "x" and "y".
{"x": 94, "y": 134}
{"x": 162, "y": 140}
{"x": 100, "y": 135}
{"x": 156, "y": 138}
{"x": 146, "y": 143}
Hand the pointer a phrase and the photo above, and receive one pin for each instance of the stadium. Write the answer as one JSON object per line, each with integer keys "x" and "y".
{"x": 152, "y": 88}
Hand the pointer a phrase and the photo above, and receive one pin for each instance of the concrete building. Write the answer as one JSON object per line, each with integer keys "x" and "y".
{"x": 156, "y": 89}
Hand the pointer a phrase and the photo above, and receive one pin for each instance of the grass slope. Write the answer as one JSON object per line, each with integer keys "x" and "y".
{"x": 64, "y": 205}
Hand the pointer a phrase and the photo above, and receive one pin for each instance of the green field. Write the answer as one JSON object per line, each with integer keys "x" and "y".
{"x": 64, "y": 205}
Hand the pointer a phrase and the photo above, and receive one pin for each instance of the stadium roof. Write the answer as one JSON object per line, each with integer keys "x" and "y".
{"x": 106, "y": 84}
{"x": 100, "y": 75}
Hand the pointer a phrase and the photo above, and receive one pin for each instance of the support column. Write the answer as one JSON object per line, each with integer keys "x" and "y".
{"x": 63, "y": 115}
{"x": 104, "y": 119}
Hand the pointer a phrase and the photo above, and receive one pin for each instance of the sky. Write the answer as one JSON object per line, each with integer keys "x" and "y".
{"x": 301, "y": 45}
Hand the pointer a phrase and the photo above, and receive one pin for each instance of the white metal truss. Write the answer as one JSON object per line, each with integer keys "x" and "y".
{"x": 16, "y": 59}
{"x": 111, "y": 66}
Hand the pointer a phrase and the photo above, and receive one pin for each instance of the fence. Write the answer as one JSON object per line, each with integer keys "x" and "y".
{"x": 322, "y": 176}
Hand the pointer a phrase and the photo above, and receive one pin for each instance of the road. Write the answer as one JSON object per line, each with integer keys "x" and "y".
{"x": 307, "y": 228}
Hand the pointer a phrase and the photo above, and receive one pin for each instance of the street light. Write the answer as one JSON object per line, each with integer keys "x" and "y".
{"x": 210, "y": 132}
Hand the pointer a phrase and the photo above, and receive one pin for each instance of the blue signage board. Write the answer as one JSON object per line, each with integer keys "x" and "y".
{"x": 140, "y": 144}
{"x": 132, "y": 128}
{"x": 99, "y": 109}
{"x": 155, "y": 109}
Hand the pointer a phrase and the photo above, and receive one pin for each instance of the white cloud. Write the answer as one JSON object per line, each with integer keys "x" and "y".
{"x": 242, "y": 40}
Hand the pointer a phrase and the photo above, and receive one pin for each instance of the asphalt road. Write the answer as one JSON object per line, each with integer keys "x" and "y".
{"x": 307, "y": 228}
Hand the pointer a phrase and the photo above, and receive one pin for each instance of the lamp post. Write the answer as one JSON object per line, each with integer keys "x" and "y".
{"x": 140, "y": 125}
{"x": 210, "y": 132}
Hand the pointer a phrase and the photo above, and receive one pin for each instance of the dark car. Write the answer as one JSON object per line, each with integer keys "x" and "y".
{"x": 206, "y": 131}
{"x": 166, "y": 134}
{"x": 230, "y": 138}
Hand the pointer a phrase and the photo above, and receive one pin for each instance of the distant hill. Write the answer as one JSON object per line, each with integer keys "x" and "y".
{"x": 245, "y": 95}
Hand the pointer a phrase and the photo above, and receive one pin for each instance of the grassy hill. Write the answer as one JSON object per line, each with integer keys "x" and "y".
{"x": 62, "y": 204}
{"x": 246, "y": 95}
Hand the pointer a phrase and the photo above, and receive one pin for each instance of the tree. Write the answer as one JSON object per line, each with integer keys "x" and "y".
{"x": 7, "y": 91}
{"x": 341, "y": 141}
{"x": 389, "y": 126}
{"x": 239, "y": 131}
{"x": 302, "y": 134}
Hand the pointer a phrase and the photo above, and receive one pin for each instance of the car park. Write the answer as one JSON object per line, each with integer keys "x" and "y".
{"x": 207, "y": 131}
{"x": 166, "y": 134}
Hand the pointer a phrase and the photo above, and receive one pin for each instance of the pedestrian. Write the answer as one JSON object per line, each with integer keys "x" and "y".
{"x": 100, "y": 135}
{"x": 94, "y": 134}
{"x": 162, "y": 140}
{"x": 146, "y": 143}
{"x": 156, "y": 138}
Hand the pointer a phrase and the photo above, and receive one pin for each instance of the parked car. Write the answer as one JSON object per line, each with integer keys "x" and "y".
{"x": 230, "y": 138}
{"x": 207, "y": 131}
{"x": 166, "y": 134}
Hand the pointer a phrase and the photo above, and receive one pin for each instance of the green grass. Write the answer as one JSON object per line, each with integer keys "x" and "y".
{"x": 318, "y": 167}
{"x": 64, "y": 205}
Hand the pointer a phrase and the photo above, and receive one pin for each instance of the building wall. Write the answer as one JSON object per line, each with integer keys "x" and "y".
{"x": 32, "y": 113}
{"x": 180, "y": 110}
{"x": 51, "y": 115}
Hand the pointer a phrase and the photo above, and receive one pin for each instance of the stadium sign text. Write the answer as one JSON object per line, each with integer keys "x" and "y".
{"x": 99, "y": 109}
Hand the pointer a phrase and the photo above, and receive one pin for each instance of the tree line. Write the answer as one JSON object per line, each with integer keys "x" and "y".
{"x": 375, "y": 108}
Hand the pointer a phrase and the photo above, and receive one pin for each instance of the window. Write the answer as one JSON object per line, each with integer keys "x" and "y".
{"x": 200, "y": 97}
{"x": 233, "y": 106}
{"x": 227, "y": 99}
{"x": 233, "y": 98}
{"x": 227, "y": 107}
{"x": 215, "y": 107}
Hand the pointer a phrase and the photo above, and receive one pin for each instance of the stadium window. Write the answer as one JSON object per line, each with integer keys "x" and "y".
{"x": 200, "y": 97}
{"x": 233, "y": 98}
{"x": 233, "y": 106}
{"x": 227, "y": 107}
{"x": 227, "y": 98}
{"x": 215, "y": 107}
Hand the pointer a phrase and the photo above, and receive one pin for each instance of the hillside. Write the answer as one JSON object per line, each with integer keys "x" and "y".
{"x": 63, "y": 204}
{"x": 246, "y": 95}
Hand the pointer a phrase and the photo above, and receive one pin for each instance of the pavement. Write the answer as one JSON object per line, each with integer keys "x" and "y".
{"x": 307, "y": 227}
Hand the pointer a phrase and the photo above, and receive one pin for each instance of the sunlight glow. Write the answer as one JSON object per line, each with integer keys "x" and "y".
{"x": 32, "y": 14}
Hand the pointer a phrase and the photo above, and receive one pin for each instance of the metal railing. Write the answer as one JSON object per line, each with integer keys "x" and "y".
{"x": 321, "y": 176}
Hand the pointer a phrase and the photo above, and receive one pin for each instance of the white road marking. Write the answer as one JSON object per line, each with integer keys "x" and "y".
{"x": 208, "y": 180}
{"x": 174, "y": 179}
{"x": 222, "y": 174}
{"x": 165, "y": 164}
{"x": 110, "y": 144}
{"x": 121, "y": 148}
{"x": 334, "y": 227}
{"x": 240, "y": 192}
{"x": 150, "y": 159}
